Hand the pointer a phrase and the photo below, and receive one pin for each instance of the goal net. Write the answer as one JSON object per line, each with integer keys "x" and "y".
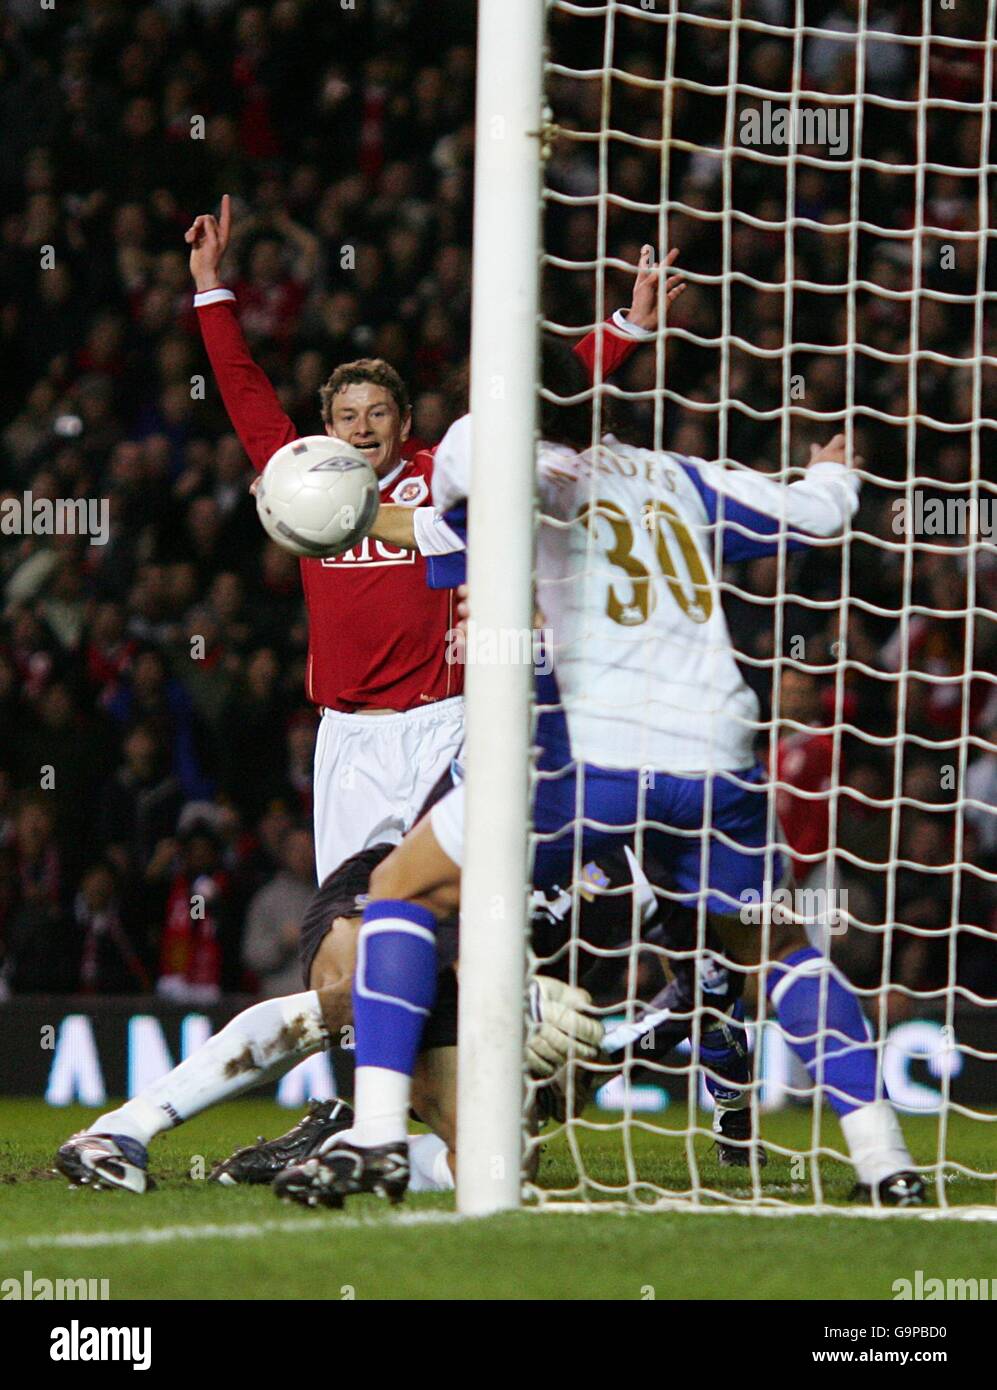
{"x": 826, "y": 171}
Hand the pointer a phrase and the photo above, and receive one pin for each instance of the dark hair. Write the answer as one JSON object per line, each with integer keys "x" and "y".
{"x": 366, "y": 369}
{"x": 563, "y": 375}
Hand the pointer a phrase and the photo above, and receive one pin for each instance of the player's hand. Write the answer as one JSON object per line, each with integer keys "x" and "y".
{"x": 643, "y": 311}
{"x": 560, "y": 1026}
{"x": 835, "y": 451}
{"x": 208, "y": 239}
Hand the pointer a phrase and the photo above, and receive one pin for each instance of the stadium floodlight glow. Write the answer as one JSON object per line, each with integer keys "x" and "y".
{"x": 503, "y": 408}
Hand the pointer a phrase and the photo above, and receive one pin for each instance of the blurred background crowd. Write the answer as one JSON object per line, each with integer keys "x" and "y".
{"x": 133, "y": 773}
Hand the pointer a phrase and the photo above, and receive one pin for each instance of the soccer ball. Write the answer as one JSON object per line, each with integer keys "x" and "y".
{"x": 317, "y": 496}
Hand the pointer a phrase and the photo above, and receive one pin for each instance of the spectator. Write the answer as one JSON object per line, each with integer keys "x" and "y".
{"x": 197, "y": 925}
{"x": 140, "y": 804}
{"x": 42, "y": 950}
{"x": 110, "y": 962}
{"x": 273, "y": 923}
{"x": 150, "y": 695}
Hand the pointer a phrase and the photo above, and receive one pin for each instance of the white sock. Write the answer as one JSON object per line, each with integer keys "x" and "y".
{"x": 260, "y": 1044}
{"x": 381, "y": 1099}
{"x": 875, "y": 1142}
{"x": 430, "y": 1171}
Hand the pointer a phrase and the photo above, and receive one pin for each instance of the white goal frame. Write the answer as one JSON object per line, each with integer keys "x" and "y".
{"x": 504, "y": 336}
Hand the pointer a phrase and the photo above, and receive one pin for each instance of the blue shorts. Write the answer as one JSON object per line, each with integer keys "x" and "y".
{"x": 608, "y": 804}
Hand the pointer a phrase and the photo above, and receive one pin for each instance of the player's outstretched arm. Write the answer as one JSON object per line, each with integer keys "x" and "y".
{"x": 819, "y": 505}
{"x": 252, "y": 404}
{"x": 825, "y": 500}
{"x": 395, "y": 525}
{"x": 625, "y": 330}
{"x": 415, "y": 528}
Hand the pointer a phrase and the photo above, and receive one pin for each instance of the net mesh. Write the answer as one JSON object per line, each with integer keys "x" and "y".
{"x": 826, "y": 172}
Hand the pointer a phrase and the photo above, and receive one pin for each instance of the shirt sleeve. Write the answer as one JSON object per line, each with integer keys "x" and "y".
{"x": 757, "y": 513}
{"x": 452, "y": 465}
{"x": 619, "y": 338}
{"x": 447, "y": 570}
{"x": 433, "y": 534}
{"x": 257, "y": 415}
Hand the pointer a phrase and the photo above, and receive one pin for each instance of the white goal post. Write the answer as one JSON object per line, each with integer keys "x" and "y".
{"x": 841, "y": 276}
{"x": 504, "y": 333}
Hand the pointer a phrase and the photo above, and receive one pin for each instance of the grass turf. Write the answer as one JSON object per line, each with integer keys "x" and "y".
{"x": 192, "y": 1240}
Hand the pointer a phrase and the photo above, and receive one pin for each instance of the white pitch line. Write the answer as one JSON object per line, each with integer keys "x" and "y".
{"x": 784, "y": 1209}
{"x": 244, "y": 1230}
{"x": 316, "y": 1225}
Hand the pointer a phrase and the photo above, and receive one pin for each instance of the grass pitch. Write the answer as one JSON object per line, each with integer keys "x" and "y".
{"x": 193, "y": 1240}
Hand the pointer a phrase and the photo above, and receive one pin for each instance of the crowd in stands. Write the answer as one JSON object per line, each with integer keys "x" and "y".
{"x": 155, "y": 740}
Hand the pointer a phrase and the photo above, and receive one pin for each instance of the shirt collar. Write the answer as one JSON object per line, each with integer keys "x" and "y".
{"x": 393, "y": 475}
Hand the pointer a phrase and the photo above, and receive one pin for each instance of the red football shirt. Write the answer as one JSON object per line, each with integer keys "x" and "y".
{"x": 805, "y": 761}
{"x": 377, "y": 632}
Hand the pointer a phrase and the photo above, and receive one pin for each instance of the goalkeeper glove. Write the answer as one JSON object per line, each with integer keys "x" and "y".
{"x": 559, "y": 1024}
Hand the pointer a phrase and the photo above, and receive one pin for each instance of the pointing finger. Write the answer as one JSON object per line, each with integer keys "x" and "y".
{"x": 226, "y": 219}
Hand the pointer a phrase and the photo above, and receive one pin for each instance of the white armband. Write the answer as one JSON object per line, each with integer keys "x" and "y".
{"x": 218, "y": 296}
{"x": 621, "y": 322}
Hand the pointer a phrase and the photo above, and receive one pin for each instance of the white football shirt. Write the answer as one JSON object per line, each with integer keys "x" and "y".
{"x": 628, "y": 547}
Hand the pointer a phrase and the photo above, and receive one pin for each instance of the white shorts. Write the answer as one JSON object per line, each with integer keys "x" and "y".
{"x": 447, "y": 820}
{"x": 373, "y": 772}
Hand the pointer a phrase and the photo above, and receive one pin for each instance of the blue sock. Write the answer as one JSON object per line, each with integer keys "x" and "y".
{"x": 842, "y": 1057}
{"x": 723, "y": 1051}
{"x": 394, "y": 988}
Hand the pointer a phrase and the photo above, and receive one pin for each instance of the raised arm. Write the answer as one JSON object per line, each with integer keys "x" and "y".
{"x": 623, "y": 331}
{"x": 257, "y": 415}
